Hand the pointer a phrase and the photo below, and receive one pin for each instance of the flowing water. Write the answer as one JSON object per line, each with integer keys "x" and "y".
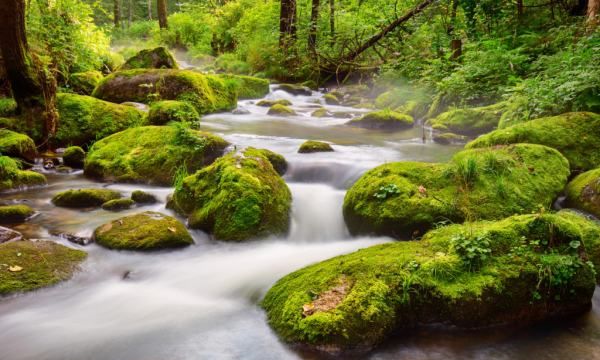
{"x": 202, "y": 302}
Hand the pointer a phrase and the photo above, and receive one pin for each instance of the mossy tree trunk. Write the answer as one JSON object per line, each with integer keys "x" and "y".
{"x": 287, "y": 24}
{"x": 162, "y": 14}
{"x": 312, "y": 33}
{"x": 332, "y": 21}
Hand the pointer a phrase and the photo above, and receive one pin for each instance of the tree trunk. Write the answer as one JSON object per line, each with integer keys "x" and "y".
{"x": 287, "y": 23}
{"x": 162, "y": 14}
{"x": 129, "y": 13}
{"x": 312, "y": 33}
{"x": 456, "y": 46}
{"x": 149, "y": 9}
{"x": 579, "y": 8}
{"x": 520, "y": 10}
{"x": 117, "y": 13}
{"x": 592, "y": 12}
{"x": 332, "y": 21}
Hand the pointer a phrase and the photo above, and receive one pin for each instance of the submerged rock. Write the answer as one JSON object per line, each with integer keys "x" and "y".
{"x": 15, "y": 213}
{"x": 354, "y": 301}
{"x": 74, "y": 157}
{"x": 312, "y": 146}
{"x": 162, "y": 112}
{"x": 583, "y": 192}
{"x": 84, "y": 198}
{"x": 448, "y": 138}
{"x": 157, "y": 58}
{"x": 575, "y": 135}
{"x": 12, "y": 177}
{"x": 17, "y": 145}
{"x": 30, "y": 265}
{"x": 270, "y": 103}
{"x": 331, "y": 99}
{"x": 118, "y": 204}
{"x": 152, "y": 154}
{"x": 295, "y": 89}
{"x": 470, "y": 121}
{"x": 84, "y": 83}
{"x": 321, "y": 113}
{"x": 405, "y": 198}
{"x": 145, "y": 231}
{"x": 383, "y": 120}
{"x": 238, "y": 197}
{"x": 142, "y": 197}
{"x": 7, "y": 235}
{"x": 280, "y": 110}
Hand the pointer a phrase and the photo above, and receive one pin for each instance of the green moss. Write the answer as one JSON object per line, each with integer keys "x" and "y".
{"x": 471, "y": 121}
{"x": 118, "y": 204}
{"x": 207, "y": 93}
{"x": 84, "y": 119}
{"x": 575, "y": 135}
{"x": 270, "y": 103}
{"x": 17, "y": 145}
{"x": 278, "y": 162}
{"x": 83, "y": 198}
{"x": 84, "y": 83}
{"x": 12, "y": 177}
{"x": 145, "y": 231}
{"x": 8, "y": 107}
{"x": 295, "y": 89}
{"x": 383, "y": 120}
{"x": 534, "y": 269}
{"x": 448, "y": 138}
{"x": 41, "y": 263}
{"x": 405, "y": 100}
{"x": 157, "y": 58}
{"x": 142, "y": 197}
{"x": 247, "y": 87}
{"x": 162, "y": 112}
{"x": 152, "y": 154}
{"x": 239, "y": 197}
{"x": 331, "y": 99}
{"x": 280, "y": 110}
{"x": 583, "y": 192}
{"x": 74, "y": 157}
{"x": 398, "y": 199}
{"x": 15, "y": 213}
{"x": 311, "y": 146}
{"x": 321, "y": 113}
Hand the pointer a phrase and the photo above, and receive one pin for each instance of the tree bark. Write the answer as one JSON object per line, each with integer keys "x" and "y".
{"x": 117, "y": 13}
{"x": 332, "y": 21}
{"x": 287, "y": 23}
{"x": 312, "y": 33}
{"x": 162, "y": 14}
{"x": 129, "y": 13}
{"x": 592, "y": 12}
{"x": 149, "y": 9}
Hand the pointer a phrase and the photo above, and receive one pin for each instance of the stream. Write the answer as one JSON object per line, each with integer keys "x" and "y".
{"x": 202, "y": 302}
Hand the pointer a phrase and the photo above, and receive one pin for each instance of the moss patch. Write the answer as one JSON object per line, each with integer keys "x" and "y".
{"x": 312, "y": 146}
{"x": 295, "y": 89}
{"x": 471, "y": 121}
{"x": 15, "y": 213}
{"x": 399, "y": 199}
{"x": 84, "y": 198}
{"x": 8, "y": 107}
{"x": 383, "y": 120}
{"x": 12, "y": 177}
{"x": 278, "y": 162}
{"x": 74, "y": 157}
{"x": 534, "y": 268}
{"x": 331, "y": 99}
{"x": 142, "y": 197}
{"x": 321, "y": 113}
{"x": 583, "y": 192}
{"x": 35, "y": 265}
{"x": 575, "y": 135}
{"x": 239, "y": 197}
{"x": 146, "y": 231}
{"x": 118, "y": 204}
{"x": 280, "y": 110}
{"x": 84, "y": 83}
{"x": 157, "y": 58}
{"x": 17, "y": 145}
{"x": 270, "y": 103}
{"x": 162, "y": 112}
{"x": 247, "y": 87}
{"x": 152, "y": 154}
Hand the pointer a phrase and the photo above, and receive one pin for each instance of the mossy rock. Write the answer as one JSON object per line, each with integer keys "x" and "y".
{"x": 575, "y": 135}
{"x": 142, "y": 197}
{"x": 238, "y": 197}
{"x": 406, "y": 100}
{"x": 295, "y": 89}
{"x": 270, "y": 103}
{"x": 15, "y": 213}
{"x": 17, "y": 145}
{"x": 471, "y": 121}
{"x": 278, "y": 162}
{"x": 406, "y": 198}
{"x": 448, "y": 138}
{"x": 383, "y": 120}
{"x": 8, "y": 107}
{"x": 354, "y": 301}
{"x": 207, "y": 93}
{"x": 145, "y": 231}
{"x": 74, "y": 157}
{"x": 152, "y": 154}
{"x": 29, "y": 265}
{"x": 84, "y": 83}
{"x": 331, "y": 99}
{"x": 311, "y": 146}
{"x": 321, "y": 113}
{"x": 163, "y": 112}
{"x": 247, "y": 87}
{"x": 118, "y": 205}
{"x": 12, "y": 177}
{"x": 84, "y": 198}
{"x": 343, "y": 114}
{"x": 157, "y": 58}
{"x": 280, "y": 110}
{"x": 583, "y": 192}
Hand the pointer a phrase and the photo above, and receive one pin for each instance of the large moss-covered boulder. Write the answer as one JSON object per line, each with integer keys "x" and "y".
{"x": 575, "y": 135}
{"x": 145, "y": 231}
{"x": 470, "y": 121}
{"x": 383, "y": 120}
{"x": 152, "y": 154}
{"x": 84, "y": 198}
{"x": 157, "y": 58}
{"x": 583, "y": 192}
{"x": 12, "y": 177}
{"x": 74, "y": 156}
{"x": 404, "y": 198}
{"x": 15, "y": 213}
{"x": 512, "y": 272}
{"x": 84, "y": 83}
{"x": 163, "y": 112}
{"x": 17, "y": 145}
{"x": 247, "y": 87}
{"x": 238, "y": 197}
{"x": 29, "y": 265}
{"x": 207, "y": 93}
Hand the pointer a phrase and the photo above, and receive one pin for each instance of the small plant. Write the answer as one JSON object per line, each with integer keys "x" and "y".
{"x": 386, "y": 191}
{"x": 180, "y": 174}
{"x": 473, "y": 250}
{"x": 466, "y": 172}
